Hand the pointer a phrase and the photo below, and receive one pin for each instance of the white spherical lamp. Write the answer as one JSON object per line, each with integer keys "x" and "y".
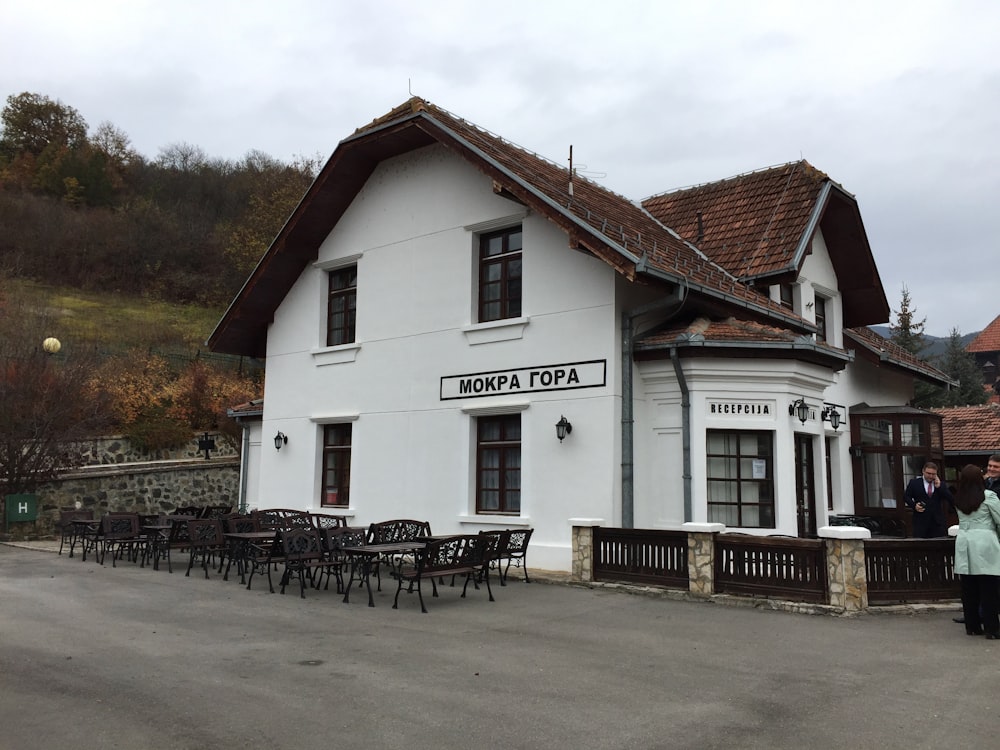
{"x": 51, "y": 345}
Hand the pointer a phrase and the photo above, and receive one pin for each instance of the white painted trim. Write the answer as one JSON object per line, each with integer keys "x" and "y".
{"x": 334, "y": 418}
{"x": 495, "y": 407}
{"x": 501, "y": 223}
{"x": 508, "y": 329}
{"x": 330, "y": 265}
{"x": 495, "y": 520}
{"x": 335, "y": 355}
{"x": 844, "y": 532}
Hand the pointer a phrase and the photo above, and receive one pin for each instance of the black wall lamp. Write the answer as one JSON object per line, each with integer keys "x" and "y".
{"x": 831, "y": 415}
{"x": 799, "y": 409}
{"x": 279, "y": 440}
{"x": 563, "y": 428}
{"x": 856, "y": 451}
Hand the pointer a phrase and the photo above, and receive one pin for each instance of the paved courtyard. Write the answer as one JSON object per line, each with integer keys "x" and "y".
{"x": 134, "y": 658}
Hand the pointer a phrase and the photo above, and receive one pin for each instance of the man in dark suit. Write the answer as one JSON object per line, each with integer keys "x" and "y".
{"x": 992, "y": 475}
{"x": 929, "y": 499}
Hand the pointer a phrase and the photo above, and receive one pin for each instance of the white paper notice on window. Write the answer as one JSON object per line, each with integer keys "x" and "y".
{"x": 759, "y": 468}
{"x": 888, "y": 502}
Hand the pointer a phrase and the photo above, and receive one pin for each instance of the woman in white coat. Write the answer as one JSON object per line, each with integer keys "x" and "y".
{"x": 977, "y": 553}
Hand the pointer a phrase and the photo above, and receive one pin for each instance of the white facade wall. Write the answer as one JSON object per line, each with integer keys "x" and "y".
{"x": 412, "y": 233}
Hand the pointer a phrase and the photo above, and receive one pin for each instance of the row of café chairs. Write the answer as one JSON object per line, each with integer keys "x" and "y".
{"x": 307, "y": 546}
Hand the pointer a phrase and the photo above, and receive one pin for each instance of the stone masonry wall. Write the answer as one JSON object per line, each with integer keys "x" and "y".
{"x": 115, "y": 479}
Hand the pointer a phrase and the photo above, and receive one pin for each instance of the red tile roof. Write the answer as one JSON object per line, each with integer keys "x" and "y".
{"x": 988, "y": 339}
{"x": 759, "y": 226}
{"x": 751, "y": 224}
{"x": 880, "y": 349}
{"x": 740, "y": 338}
{"x": 971, "y": 429}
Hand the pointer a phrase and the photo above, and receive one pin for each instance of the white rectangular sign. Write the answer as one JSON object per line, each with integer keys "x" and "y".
{"x": 562, "y": 377}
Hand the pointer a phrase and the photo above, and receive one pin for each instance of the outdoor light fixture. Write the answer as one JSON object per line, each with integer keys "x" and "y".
{"x": 563, "y": 428}
{"x": 856, "y": 451}
{"x": 831, "y": 415}
{"x": 279, "y": 440}
{"x": 799, "y": 409}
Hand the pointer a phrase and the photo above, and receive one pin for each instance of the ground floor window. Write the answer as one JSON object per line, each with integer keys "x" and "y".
{"x": 336, "y": 490}
{"x": 741, "y": 478}
{"x": 498, "y": 464}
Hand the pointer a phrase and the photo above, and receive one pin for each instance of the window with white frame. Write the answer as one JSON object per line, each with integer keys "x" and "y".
{"x": 740, "y": 473}
{"x": 342, "y": 306}
{"x": 500, "y": 274}
{"x": 336, "y": 485}
{"x": 498, "y": 464}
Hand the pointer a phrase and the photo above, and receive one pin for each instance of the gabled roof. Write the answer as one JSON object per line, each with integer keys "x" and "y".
{"x": 988, "y": 339}
{"x": 759, "y": 226}
{"x": 596, "y": 220}
{"x": 971, "y": 429}
{"x": 734, "y": 337}
{"x": 881, "y": 350}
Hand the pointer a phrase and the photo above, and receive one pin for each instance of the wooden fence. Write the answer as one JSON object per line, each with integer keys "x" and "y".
{"x": 910, "y": 570}
{"x": 895, "y": 570}
{"x": 765, "y": 566}
{"x": 641, "y": 556}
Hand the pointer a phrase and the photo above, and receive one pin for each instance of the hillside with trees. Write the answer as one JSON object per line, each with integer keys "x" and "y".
{"x": 131, "y": 261}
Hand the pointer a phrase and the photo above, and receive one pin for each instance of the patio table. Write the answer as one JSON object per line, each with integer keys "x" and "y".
{"x": 239, "y": 544}
{"x": 362, "y": 557}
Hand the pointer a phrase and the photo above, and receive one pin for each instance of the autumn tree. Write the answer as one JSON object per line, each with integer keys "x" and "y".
{"x": 46, "y": 408}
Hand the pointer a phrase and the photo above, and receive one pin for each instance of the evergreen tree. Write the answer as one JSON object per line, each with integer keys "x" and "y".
{"x": 960, "y": 366}
{"x": 908, "y": 332}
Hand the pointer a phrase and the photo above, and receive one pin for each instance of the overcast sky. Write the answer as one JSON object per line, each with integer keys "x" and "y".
{"x": 898, "y": 101}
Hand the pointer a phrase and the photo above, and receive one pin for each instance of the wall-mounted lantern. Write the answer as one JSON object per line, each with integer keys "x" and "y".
{"x": 563, "y": 428}
{"x": 831, "y": 415}
{"x": 279, "y": 440}
{"x": 799, "y": 409}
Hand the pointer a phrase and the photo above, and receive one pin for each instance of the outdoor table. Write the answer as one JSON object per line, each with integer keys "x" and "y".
{"x": 157, "y": 533}
{"x": 362, "y": 558}
{"x": 239, "y": 543}
{"x": 81, "y": 528}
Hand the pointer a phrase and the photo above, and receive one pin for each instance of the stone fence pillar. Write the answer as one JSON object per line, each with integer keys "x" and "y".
{"x": 583, "y": 547}
{"x": 845, "y": 566}
{"x": 701, "y": 556}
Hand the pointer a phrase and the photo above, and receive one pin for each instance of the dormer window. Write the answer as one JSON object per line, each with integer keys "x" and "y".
{"x": 785, "y": 296}
{"x": 821, "y": 332}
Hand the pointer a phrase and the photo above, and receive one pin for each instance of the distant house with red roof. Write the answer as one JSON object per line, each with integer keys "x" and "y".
{"x": 971, "y": 434}
{"x": 459, "y": 330}
{"x": 986, "y": 349}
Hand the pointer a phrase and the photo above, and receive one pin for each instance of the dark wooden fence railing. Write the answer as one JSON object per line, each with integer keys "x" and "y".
{"x": 786, "y": 568}
{"x": 653, "y": 556}
{"x": 910, "y": 570}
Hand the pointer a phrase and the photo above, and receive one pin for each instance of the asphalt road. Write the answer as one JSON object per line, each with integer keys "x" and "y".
{"x": 125, "y": 657}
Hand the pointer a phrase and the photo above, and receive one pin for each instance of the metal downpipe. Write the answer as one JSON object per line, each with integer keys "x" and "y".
{"x": 685, "y": 429}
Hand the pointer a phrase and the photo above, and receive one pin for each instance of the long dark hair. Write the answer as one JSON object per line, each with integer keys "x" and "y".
{"x": 971, "y": 489}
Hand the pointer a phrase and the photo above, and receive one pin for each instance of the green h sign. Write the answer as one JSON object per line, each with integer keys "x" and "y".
{"x": 22, "y": 507}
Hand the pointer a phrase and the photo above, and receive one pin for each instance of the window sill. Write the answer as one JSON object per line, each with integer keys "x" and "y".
{"x": 495, "y": 520}
{"x": 335, "y": 355}
{"x": 496, "y": 330}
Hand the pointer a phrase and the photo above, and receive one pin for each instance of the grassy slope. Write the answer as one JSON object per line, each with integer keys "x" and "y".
{"x": 116, "y": 322}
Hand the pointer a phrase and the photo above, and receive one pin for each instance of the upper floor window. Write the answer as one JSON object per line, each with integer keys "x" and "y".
{"x": 500, "y": 275}
{"x": 342, "y": 306}
{"x": 785, "y": 296}
{"x": 821, "y": 332}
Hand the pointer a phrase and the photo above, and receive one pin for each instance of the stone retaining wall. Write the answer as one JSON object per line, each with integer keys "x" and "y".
{"x": 118, "y": 478}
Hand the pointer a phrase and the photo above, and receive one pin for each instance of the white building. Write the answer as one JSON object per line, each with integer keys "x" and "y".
{"x": 441, "y": 299}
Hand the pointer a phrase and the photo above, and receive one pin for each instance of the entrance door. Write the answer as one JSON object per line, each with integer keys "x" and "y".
{"x": 805, "y": 485}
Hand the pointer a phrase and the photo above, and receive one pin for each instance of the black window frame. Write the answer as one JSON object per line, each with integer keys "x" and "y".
{"x": 337, "y": 441}
{"x": 765, "y": 510}
{"x": 506, "y": 446}
{"x": 342, "y": 304}
{"x": 500, "y": 277}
